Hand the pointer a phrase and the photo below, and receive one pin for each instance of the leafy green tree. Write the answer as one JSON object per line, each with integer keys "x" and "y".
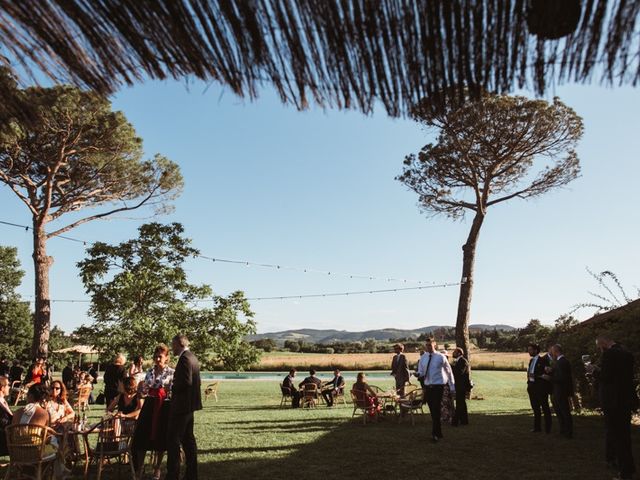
{"x": 484, "y": 156}
{"x": 140, "y": 296}
{"x": 58, "y": 340}
{"x": 292, "y": 345}
{"x": 370, "y": 345}
{"x": 16, "y": 324}
{"x": 265, "y": 344}
{"x": 75, "y": 154}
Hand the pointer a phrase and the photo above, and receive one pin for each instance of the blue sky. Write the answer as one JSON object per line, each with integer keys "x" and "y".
{"x": 316, "y": 189}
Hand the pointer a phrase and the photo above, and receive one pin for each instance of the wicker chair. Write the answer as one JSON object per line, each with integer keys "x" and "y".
{"x": 411, "y": 403}
{"x": 211, "y": 390}
{"x": 339, "y": 395}
{"x": 114, "y": 442}
{"x": 310, "y": 395}
{"x": 29, "y": 448}
{"x": 360, "y": 400}
{"x": 82, "y": 398}
{"x": 410, "y": 388}
{"x": 286, "y": 395}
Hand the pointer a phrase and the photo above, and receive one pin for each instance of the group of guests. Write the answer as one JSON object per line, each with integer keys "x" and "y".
{"x": 550, "y": 375}
{"x": 75, "y": 377}
{"x": 162, "y": 400}
{"x": 329, "y": 390}
{"x": 37, "y": 372}
{"x": 444, "y": 388}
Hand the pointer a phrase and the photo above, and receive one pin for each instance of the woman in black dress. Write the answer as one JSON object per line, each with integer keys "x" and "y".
{"x": 129, "y": 402}
{"x": 151, "y": 431}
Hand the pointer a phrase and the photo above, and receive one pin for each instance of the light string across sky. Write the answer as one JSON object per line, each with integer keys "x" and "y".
{"x": 427, "y": 285}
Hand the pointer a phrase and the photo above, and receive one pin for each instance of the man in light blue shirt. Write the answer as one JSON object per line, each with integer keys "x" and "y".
{"x": 435, "y": 372}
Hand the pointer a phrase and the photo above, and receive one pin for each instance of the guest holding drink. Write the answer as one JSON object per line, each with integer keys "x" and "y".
{"x": 151, "y": 431}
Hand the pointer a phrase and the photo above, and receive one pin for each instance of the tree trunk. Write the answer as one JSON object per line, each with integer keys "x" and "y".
{"x": 42, "y": 316}
{"x": 466, "y": 288}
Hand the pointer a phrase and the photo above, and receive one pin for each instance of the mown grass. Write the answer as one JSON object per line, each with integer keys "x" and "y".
{"x": 282, "y": 361}
{"x": 247, "y": 436}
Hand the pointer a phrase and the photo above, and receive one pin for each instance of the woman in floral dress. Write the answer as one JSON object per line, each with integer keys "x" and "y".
{"x": 151, "y": 431}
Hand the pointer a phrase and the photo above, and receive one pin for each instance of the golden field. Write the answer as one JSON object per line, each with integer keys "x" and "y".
{"x": 480, "y": 359}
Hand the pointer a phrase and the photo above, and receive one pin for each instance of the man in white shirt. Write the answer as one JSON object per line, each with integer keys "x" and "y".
{"x": 435, "y": 372}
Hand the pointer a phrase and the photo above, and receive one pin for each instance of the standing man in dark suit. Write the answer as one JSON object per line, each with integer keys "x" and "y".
{"x": 185, "y": 399}
{"x": 538, "y": 389}
{"x": 562, "y": 381}
{"x": 461, "y": 375}
{"x": 399, "y": 368}
{"x": 617, "y": 398}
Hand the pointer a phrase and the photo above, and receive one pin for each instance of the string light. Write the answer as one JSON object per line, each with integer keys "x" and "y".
{"x": 261, "y": 265}
{"x": 310, "y": 295}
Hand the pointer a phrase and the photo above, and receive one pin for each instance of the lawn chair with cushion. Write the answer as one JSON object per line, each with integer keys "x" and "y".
{"x": 286, "y": 395}
{"x": 411, "y": 403}
{"x": 211, "y": 390}
{"x": 114, "y": 443}
{"x": 364, "y": 402}
{"x": 29, "y": 447}
{"x": 310, "y": 395}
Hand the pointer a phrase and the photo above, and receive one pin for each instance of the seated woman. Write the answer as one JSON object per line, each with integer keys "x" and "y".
{"x": 151, "y": 431}
{"x": 366, "y": 394}
{"x": 6, "y": 415}
{"x": 60, "y": 411}
{"x": 129, "y": 402}
{"x": 35, "y": 413}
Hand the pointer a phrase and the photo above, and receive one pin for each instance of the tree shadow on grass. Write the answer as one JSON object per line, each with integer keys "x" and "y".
{"x": 492, "y": 446}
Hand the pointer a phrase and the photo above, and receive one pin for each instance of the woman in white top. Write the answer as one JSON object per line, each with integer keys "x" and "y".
{"x": 60, "y": 411}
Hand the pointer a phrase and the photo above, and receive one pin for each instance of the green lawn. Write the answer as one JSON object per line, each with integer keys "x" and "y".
{"x": 247, "y": 436}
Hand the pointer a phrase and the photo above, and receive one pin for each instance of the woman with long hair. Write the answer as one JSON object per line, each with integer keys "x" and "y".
{"x": 59, "y": 408}
{"x": 366, "y": 394}
{"x": 151, "y": 431}
{"x": 135, "y": 369}
{"x": 128, "y": 403}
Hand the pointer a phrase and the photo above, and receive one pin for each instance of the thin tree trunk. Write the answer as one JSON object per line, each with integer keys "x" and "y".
{"x": 42, "y": 316}
{"x": 466, "y": 288}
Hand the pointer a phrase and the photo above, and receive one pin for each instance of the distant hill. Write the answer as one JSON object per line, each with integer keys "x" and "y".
{"x": 328, "y": 336}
